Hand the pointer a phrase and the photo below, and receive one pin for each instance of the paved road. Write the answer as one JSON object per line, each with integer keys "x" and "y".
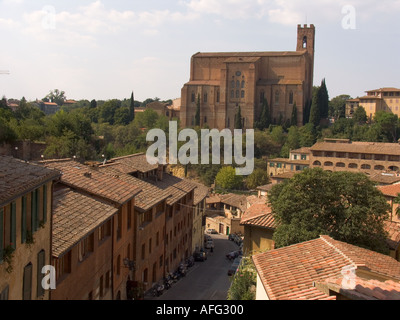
{"x": 206, "y": 280}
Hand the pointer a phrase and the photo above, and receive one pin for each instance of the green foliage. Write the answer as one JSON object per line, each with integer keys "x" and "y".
{"x": 238, "y": 119}
{"x": 323, "y": 100}
{"x": 146, "y": 119}
{"x": 56, "y": 96}
{"x": 228, "y": 180}
{"x": 315, "y": 112}
{"x": 337, "y": 106}
{"x": 292, "y": 142}
{"x": 243, "y": 283}
{"x": 265, "y": 117}
{"x": 259, "y": 177}
{"x": 360, "y": 116}
{"x": 344, "y": 205}
{"x": 293, "y": 119}
{"x": 132, "y": 108}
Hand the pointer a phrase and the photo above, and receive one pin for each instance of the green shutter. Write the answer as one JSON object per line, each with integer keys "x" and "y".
{"x": 44, "y": 203}
{"x": 40, "y": 275}
{"x": 34, "y": 211}
{"x": 27, "y": 283}
{"x": 1, "y": 234}
{"x": 23, "y": 220}
{"x": 13, "y": 239}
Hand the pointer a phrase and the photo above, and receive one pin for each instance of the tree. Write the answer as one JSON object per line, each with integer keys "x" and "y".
{"x": 244, "y": 281}
{"x": 315, "y": 115}
{"x": 292, "y": 142}
{"x": 197, "y": 116}
{"x": 337, "y": 106}
{"x": 238, "y": 119}
{"x": 344, "y": 205}
{"x": 323, "y": 100}
{"x": 293, "y": 119}
{"x": 132, "y": 109}
{"x": 388, "y": 122}
{"x": 93, "y": 104}
{"x": 360, "y": 116}
{"x": 56, "y": 96}
{"x": 228, "y": 180}
{"x": 265, "y": 117}
{"x": 259, "y": 177}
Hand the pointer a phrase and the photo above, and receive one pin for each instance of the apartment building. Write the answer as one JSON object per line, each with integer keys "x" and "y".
{"x": 26, "y": 192}
{"x": 117, "y": 193}
{"x": 383, "y": 99}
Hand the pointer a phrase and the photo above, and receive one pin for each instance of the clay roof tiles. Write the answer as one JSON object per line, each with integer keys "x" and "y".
{"x": 390, "y": 190}
{"x": 75, "y": 216}
{"x": 138, "y": 162}
{"x": 18, "y": 177}
{"x": 359, "y": 147}
{"x": 289, "y": 273}
{"x": 259, "y": 215}
{"x": 92, "y": 181}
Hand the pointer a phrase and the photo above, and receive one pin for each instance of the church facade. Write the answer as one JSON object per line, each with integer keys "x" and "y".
{"x": 221, "y": 82}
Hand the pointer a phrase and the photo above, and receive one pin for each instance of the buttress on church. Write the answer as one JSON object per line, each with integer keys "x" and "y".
{"x": 222, "y": 82}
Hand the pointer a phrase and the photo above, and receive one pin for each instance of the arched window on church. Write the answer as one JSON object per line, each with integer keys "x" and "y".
{"x": 277, "y": 97}
{"x": 305, "y": 42}
{"x": 205, "y": 98}
{"x": 218, "y": 96}
{"x": 291, "y": 97}
{"x": 237, "y": 84}
{"x": 242, "y": 94}
{"x": 243, "y": 83}
{"x": 232, "y": 83}
{"x": 232, "y": 94}
{"x": 237, "y": 94}
{"x": 193, "y": 97}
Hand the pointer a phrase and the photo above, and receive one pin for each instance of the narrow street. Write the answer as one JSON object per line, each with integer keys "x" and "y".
{"x": 206, "y": 280}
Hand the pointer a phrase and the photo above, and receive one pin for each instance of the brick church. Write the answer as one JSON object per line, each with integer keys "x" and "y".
{"x": 225, "y": 81}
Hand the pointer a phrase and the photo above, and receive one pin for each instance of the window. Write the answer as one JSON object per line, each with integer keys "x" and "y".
{"x": 205, "y": 119}
{"x": 232, "y": 94}
{"x": 305, "y": 42}
{"x": 242, "y": 94}
{"x": 27, "y": 283}
{"x": 340, "y": 165}
{"x": 365, "y": 166}
{"x": 193, "y": 98}
{"x": 23, "y": 220}
{"x": 150, "y": 245}
{"x": 243, "y": 84}
{"x": 63, "y": 265}
{"x": 303, "y": 157}
{"x": 276, "y": 97}
{"x": 218, "y": 96}
{"x": 4, "y": 294}
{"x": 237, "y": 94}
{"x": 129, "y": 216}
{"x": 317, "y": 163}
{"x": 85, "y": 247}
{"x": 353, "y": 166}
{"x": 118, "y": 265}
{"x": 143, "y": 251}
{"x": 295, "y": 157}
{"x": 262, "y": 96}
{"x": 40, "y": 275}
{"x": 105, "y": 230}
{"x": 161, "y": 261}
{"x": 119, "y": 224}
{"x": 237, "y": 84}
{"x": 145, "y": 275}
{"x": 205, "y": 98}
{"x": 291, "y": 97}
{"x": 232, "y": 83}
{"x": 272, "y": 165}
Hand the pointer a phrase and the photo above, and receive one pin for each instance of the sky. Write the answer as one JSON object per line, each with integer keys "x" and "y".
{"x": 103, "y": 49}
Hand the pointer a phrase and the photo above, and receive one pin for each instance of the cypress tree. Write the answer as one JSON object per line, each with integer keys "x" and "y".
{"x": 265, "y": 117}
{"x": 323, "y": 100}
{"x": 197, "y": 116}
{"x": 132, "y": 108}
{"x": 293, "y": 120}
{"x": 238, "y": 120}
{"x": 315, "y": 115}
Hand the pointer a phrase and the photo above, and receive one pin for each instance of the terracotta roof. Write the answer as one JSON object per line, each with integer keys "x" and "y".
{"x": 302, "y": 150}
{"x": 259, "y": 215}
{"x": 75, "y": 216}
{"x": 213, "y": 199}
{"x": 235, "y": 200}
{"x": 138, "y": 162}
{"x": 248, "y": 54}
{"x": 287, "y": 160}
{"x": 267, "y": 187}
{"x": 285, "y": 175}
{"x": 364, "y": 289}
{"x": 359, "y": 147}
{"x": 176, "y": 187}
{"x": 149, "y": 195}
{"x": 288, "y": 273}
{"x": 391, "y": 190}
{"x": 93, "y": 181}
{"x": 384, "y": 90}
{"x": 200, "y": 193}
{"x": 393, "y": 230}
{"x": 385, "y": 178}
{"x": 251, "y": 200}
{"x": 18, "y": 178}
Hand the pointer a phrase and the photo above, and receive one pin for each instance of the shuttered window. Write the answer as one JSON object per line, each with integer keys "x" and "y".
{"x": 4, "y": 294}
{"x": 44, "y": 203}
{"x": 13, "y": 225}
{"x": 23, "y": 220}
{"x": 40, "y": 275}
{"x": 27, "y": 284}
{"x": 1, "y": 234}
{"x": 35, "y": 211}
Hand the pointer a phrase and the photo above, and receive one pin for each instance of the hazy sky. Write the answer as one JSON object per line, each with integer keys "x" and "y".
{"x": 106, "y": 49}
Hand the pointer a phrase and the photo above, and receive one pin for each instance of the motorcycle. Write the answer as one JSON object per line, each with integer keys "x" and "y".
{"x": 157, "y": 290}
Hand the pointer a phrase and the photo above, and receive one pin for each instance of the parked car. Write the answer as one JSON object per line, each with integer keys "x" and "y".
{"x": 200, "y": 256}
{"x": 235, "y": 265}
{"x": 211, "y": 231}
{"x": 210, "y": 244}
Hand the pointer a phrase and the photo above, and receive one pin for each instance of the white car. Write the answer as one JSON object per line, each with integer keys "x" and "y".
{"x": 209, "y": 244}
{"x": 211, "y": 231}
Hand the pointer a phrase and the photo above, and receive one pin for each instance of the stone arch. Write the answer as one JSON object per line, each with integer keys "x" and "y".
{"x": 317, "y": 163}
{"x": 340, "y": 165}
{"x": 353, "y": 165}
